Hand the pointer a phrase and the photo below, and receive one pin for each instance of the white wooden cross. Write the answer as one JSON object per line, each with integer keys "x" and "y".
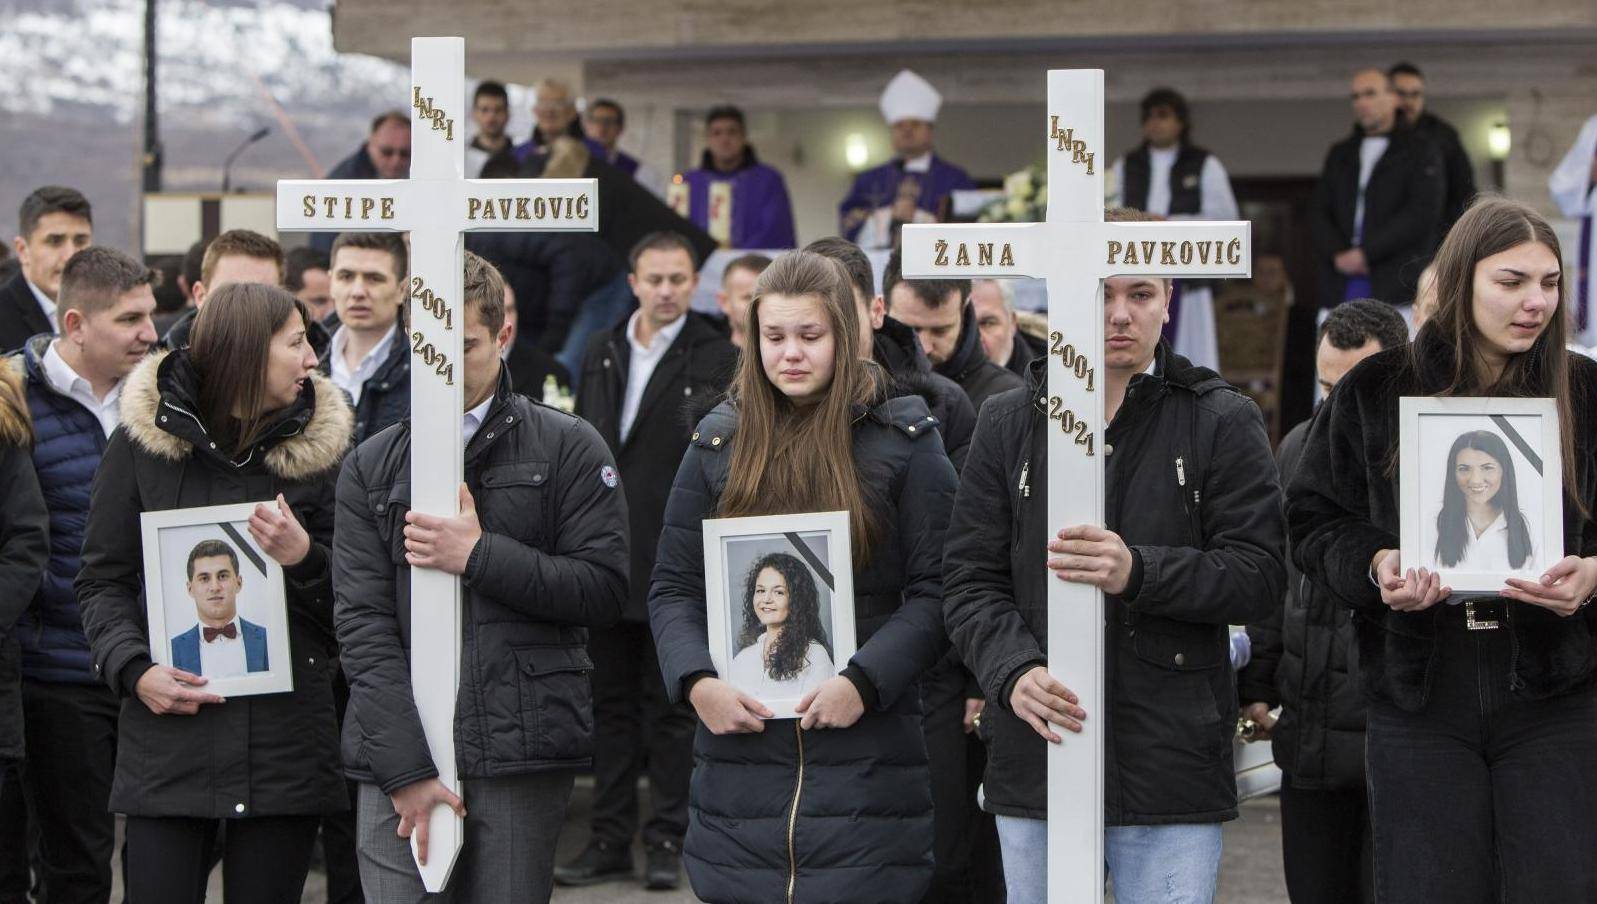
{"x": 1074, "y": 251}
{"x": 435, "y": 205}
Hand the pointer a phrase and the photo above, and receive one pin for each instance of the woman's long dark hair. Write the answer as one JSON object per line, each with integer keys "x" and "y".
{"x": 1491, "y": 226}
{"x": 787, "y": 656}
{"x": 1452, "y": 523}
{"x": 229, "y": 345}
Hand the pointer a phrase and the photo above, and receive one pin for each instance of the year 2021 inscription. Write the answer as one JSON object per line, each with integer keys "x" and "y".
{"x": 1077, "y": 365}
{"x": 419, "y": 346}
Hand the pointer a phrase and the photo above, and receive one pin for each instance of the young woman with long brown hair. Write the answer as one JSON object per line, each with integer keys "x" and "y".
{"x": 240, "y": 415}
{"x": 1483, "y": 711}
{"x": 835, "y": 805}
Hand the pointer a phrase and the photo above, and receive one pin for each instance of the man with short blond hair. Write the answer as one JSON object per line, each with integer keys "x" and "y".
{"x": 74, "y": 388}
{"x": 235, "y": 256}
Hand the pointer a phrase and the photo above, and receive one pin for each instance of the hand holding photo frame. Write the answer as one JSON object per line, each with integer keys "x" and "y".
{"x": 215, "y": 601}
{"x": 1482, "y": 489}
{"x": 780, "y": 596}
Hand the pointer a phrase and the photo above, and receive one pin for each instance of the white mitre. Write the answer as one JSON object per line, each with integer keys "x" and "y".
{"x": 908, "y": 96}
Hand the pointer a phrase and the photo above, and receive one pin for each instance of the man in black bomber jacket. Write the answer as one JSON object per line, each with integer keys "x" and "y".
{"x": 1194, "y": 543}
{"x": 540, "y": 547}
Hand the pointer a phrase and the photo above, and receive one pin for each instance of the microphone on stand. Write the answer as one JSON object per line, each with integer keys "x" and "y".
{"x": 227, "y": 165}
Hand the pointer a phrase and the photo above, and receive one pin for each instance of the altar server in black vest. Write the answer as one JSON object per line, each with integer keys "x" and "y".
{"x": 1169, "y": 176}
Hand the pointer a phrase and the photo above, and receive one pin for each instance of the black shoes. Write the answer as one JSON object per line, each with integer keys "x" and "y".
{"x": 664, "y": 869}
{"x": 600, "y": 862}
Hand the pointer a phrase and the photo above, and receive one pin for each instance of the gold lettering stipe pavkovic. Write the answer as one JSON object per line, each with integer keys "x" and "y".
{"x": 347, "y": 207}
{"x": 429, "y": 112}
{"x": 984, "y": 254}
{"x": 1216, "y": 252}
{"x": 1066, "y": 140}
{"x": 557, "y": 208}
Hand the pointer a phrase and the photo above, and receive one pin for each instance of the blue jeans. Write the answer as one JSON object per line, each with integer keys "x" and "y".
{"x": 601, "y": 310}
{"x": 1174, "y": 864}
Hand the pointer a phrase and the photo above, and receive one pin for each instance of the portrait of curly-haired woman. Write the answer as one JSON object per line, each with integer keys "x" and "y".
{"x": 782, "y": 649}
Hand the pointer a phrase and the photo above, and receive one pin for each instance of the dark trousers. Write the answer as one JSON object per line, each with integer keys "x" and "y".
{"x": 1325, "y": 845}
{"x": 964, "y": 839}
{"x": 637, "y": 728}
{"x": 264, "y": 859}
{"x": 16, "y": 875}
{"x": 338, "y": 829}
{"x": 71, "y": 736}
{"x": 1483, "y": 796}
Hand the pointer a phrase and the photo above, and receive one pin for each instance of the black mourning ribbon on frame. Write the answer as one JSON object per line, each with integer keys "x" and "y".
{"x": 1518, "y": 441}
{"x": 243, "y": 547}
{"x": 810, "y": 559}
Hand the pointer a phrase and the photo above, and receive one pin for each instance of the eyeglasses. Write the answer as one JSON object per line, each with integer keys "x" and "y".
{"x": 401, "y": 153}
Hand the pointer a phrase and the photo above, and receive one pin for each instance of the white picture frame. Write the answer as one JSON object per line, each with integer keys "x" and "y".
{"x": 811, "y": 551}
{"x": 1434, "y": 489}
{"x": 255, "y": 661}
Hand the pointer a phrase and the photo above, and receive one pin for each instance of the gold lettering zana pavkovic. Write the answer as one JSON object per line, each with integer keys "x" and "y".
{"x": 1066, "y": 140}
{"x": 347, "y": 207}
{"x": 431, "y": 113}
{"x": 539, "y": 208}
{"x": 962, "y": 254}
{"x": 1170, "y": 254}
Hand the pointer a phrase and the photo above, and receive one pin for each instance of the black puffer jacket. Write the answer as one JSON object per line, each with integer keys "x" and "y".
{"x": 895, "y": 347}
{"x": 1342, "y": 508}
{"x": 24, "y": 551}
{"x": 1196, "y": 568}
{"x": 548, "y": 565}
{"x": 830, "y": 815}
{"x": 269, "y": 755}
{"x": 1306, "y": 661}
{"x": 696, "y": 368}
{"x": 968, "y": 365}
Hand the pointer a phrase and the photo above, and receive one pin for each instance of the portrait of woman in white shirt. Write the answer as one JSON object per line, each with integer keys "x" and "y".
{"x": 781, "y": 652}
{"x": 1481, "y": 526}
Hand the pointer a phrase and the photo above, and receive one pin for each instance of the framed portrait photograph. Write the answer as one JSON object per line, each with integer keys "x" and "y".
{"x": 215, "y": 601}
{"x": 780, "y": 594}
{"x": 1482, "y": 489}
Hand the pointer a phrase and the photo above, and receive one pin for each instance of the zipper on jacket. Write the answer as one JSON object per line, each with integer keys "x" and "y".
{"x": 1024, "y": 487}
{"x": 1181, "y": 471}
{"x": 792, "y": 816}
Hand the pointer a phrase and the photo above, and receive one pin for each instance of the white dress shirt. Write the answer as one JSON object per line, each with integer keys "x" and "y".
{"x": 353, "y": 381}
{"x": 223, "y": 657}
{"x": 1370, "y": 151}
{"x": 473, "y": 421}
{"x": 67, "y": 382}
{"x": 748, "y": 673}
{"x": 645, "y": 358}
{"x": 921, "y": 164}
{"x": 45, "y": 304}
{"x": 1489, "y": 551}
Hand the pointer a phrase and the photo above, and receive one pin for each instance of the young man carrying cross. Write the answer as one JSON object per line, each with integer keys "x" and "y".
{"x": 1193, "y": 544}
{"x": 540, "y": 546}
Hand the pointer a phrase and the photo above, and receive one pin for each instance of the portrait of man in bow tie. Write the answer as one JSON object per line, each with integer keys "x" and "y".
{"x": 222, "y": 644}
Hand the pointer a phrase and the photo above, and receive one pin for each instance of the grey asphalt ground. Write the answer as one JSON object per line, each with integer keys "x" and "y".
{"x": 1250, "y": 872}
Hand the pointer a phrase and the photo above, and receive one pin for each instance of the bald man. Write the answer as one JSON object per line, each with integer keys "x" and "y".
{"x": 1377, "y": 213}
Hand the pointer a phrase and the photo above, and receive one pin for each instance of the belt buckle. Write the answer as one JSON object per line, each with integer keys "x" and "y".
{"x": 1477, "y": 624}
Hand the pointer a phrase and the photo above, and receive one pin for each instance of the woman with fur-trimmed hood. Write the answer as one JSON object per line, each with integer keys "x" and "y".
{"x": 24, "y": 549}
{"x": 241, "y": 415}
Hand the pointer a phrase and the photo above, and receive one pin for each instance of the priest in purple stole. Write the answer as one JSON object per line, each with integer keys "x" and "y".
{"x": 910, "y": 105}
{"x": 1574, "y": 189}
{"x": 739, "y": 201}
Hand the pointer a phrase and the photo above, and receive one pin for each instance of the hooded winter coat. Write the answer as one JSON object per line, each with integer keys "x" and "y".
{"x": 266, "y": 755}
{"x": 834, "y": 815}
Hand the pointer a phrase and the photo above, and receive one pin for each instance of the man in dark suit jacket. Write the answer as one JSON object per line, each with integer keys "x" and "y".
{"x": 213, "y": 583}
{"x": 1378, "y": 207}
{"x": 53, "y": 224}
{"x": 639, "y": 381}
